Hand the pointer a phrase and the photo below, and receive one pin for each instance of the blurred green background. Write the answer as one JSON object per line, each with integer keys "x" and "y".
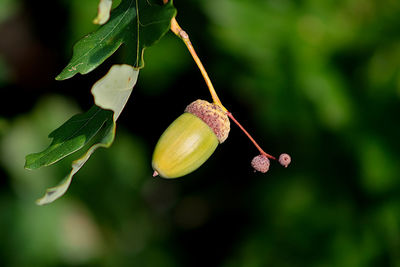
{"x": 317, "y": 79}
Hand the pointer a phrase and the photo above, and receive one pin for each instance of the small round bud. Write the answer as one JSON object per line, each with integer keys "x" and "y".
{"x": 260, "y": 163}
{"x": 284, "y": 160}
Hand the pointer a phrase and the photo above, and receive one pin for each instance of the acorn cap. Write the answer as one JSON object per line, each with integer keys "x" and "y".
{"x": 213, "y": 116}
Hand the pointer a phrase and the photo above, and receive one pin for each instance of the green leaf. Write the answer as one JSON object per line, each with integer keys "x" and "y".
{"x": 70, "y": 137}
{"x": 104, "y": 138}
{"x": 110, "y": 92}
{"x": 96, "y": 125}
{"x": 136, "y": 23}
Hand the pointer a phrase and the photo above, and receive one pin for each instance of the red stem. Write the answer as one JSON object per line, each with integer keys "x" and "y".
{"x": 249, "y": 136}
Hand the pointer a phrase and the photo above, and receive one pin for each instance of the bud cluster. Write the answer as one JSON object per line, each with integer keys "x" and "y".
{"x": 261, "y": 162}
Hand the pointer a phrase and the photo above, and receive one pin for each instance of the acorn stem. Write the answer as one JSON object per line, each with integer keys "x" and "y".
{"x": 250, "y": 137}
{"x": 178, "y": 31}
{"x": 175, "y": 28}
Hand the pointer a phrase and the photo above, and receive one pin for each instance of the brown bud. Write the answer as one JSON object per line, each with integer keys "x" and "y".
{"x": 284, "y": 160}
{"x": 260, "y": 163}
{"x": 213, "y": 116}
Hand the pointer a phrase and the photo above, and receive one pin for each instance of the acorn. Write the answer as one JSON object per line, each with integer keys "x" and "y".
{"x": 190, "y": 140}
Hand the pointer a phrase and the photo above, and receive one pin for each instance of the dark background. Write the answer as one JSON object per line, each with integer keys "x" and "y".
{"x": 319, "y": 80}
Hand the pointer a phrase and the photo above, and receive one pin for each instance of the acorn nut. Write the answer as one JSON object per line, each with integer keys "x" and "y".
{"x": 190, "y": 140}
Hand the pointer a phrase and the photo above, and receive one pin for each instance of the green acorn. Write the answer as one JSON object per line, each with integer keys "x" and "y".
{"x": 190, "y": 140}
